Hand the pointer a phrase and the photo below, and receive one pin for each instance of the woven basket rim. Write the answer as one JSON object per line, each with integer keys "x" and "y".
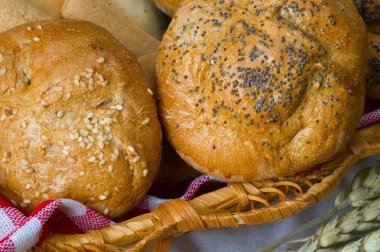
{"x": 224, "y": 207}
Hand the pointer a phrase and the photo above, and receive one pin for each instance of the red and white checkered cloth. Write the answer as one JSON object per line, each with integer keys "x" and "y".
{"x": 19, "y": 232}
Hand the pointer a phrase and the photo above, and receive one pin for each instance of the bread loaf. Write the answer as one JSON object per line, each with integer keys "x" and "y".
{"x": 135, "y": 39}
{"x": 50, "y": 7}
{"x": 169, "y": 7}
{"x": 249, "y": 91}
{"x": 16, "y": 12}
{"x": 77, "y": 118}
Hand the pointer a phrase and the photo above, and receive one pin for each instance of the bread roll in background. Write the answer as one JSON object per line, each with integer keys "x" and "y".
{"x": 169, "y": 7}
{"x": 50, "y": 7}
{"x": 144, "y": 13}
{"x": 77, "y": 118}
{"x": 101, "y": 13}
{"x": 16, "y": 12}
{"x": 373, "y": 76}
{"x": 253, "y": 91}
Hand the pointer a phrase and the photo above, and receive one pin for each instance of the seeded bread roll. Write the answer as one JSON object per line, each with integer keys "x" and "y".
{"x": 373, "y": 76}
{"x": 254, "y": 91}
{"x": 77, "y": 119}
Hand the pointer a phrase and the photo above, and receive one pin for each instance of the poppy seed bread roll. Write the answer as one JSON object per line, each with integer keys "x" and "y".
{"x": 253, "y": 91}
{"x": 77, "y": 120}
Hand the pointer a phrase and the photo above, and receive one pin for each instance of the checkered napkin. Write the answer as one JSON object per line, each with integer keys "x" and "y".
{"x": 19, "y": 232}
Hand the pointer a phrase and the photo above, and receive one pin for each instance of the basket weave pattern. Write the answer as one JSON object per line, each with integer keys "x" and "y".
{"x": 238, "y": 204}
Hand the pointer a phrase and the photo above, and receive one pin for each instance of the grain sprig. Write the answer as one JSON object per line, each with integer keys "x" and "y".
{"x": 363, "y": 218}
{"x": 365, "y": 187}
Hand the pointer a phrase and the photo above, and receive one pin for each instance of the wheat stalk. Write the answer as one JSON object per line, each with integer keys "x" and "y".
{"x": 365, "y": 188}
{"x": 365, "y": 217}
{"x": 369, "y": 243}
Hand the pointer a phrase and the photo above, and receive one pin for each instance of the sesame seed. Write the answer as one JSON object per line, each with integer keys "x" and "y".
{"x": 66, "y": 153}
{"x": 24, "y": 162}
{"x": 82, "y": 145}
{"x": 92, "y": 159}
{"x": 23, "y": 124}
{"x": 91, "y": 138}
{"x": 22, "y": 204}
{"x": 101, "y": 77}
{"x": 144, "y": 164}
{"x": 116, "y": 189}
{"x": 81, "y": 173}
{"x": 89, "y": 70}
{"x": 37, "y": 194}
{"x": 3, "y": 70}
{"x": 117, "y": 152}
{"x": 67, "y": 147}
{"x": 102, "y": 197}
{"x": 89, "y": 146}
{"x": 95, "y": 131}
{"x": 88, "y": 186}
{"x": 150, "y": 91}
{"x": 146, "y": 121}
{"x": 111, "y": 111}
{"x": 3, "y": 117}
{"x": 14, "y": 111}
{"x": 91, "y": 81}
{"x": 119, "y": 107}
{"x": 145, "y": 172}
{"x": 28, "y": 186}
{"x": 89, "y": 75}
{"x": 131, "y": 149}
{"x": 59, "y": 114}
{"x": 58, "y": 88}
{"x": 105, "y": 83}
{"x": 106, "y": 211}
{"x": 36, "y": 39}
{"x": 110, "y": 168}
{"x": 29, "y": 28}
{"x": 90, "y": 114}
{"x": 5, "y": 154}
{"x": 136, "y": 159}
{"x": 39, "y": 27}
{"x": 44, "y": 189}
{"x": 100, "y": 60}
{"x": 3, "y": 160}
{"x": 44, "y": 138}
{"x": 67, "y": 96}
{"x": 102, "y": 162}
{"x": 44, "y": 103}
{"x": 26, "y": 201}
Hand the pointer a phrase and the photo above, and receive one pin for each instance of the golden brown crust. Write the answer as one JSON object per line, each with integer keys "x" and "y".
{"x": 373, "y": 76}
{"x": 253, "y": 91}
{"x": 77, "y": 120}
{"x": 169, "y": 7}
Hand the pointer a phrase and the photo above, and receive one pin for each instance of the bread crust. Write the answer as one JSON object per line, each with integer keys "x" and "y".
{"x": 169, "y": 7}
{"x": 254, "y": 91}
{"x": 77, "y": 119}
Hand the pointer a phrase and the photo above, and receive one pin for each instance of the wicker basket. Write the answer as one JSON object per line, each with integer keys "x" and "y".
{"x": 238, "y": 204}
